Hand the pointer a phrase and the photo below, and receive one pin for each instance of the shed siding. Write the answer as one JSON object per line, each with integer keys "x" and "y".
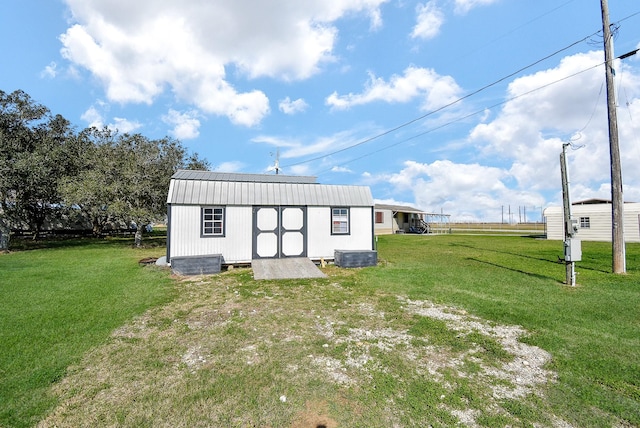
{"x": 322, "y": 244}
{"x": 235, "y": 246}
{"x": 599, "y": 219}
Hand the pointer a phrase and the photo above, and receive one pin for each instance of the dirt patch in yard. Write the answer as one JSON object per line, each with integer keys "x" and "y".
{"x": 233, "y": 352}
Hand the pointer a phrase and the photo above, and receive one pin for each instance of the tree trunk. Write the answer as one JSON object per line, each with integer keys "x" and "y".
{"x": 4, "y": 238}
{"x": 96, "y": 227}
{"x": 138, "y": 236}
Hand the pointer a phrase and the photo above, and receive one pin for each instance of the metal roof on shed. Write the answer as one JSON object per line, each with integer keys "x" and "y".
{"x": 249, "y": 178}
{"x": 262, "y": 190}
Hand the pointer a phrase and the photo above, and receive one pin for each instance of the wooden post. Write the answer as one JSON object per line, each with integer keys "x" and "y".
{"x": 617, "y": 200}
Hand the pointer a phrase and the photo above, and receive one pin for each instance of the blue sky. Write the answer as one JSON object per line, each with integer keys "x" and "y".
{"x": 453, "y": 106}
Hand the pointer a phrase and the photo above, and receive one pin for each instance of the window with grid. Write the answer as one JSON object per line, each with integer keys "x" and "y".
{"x": 213, "y": 221}
{"x": 339, "y": 221}
{"x": 585, "y": 222}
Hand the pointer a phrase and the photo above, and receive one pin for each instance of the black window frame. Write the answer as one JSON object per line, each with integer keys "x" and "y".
{"x": 348, "y": 221}
{"x": 204, "y": 219}
{"x": 585, "y": 223}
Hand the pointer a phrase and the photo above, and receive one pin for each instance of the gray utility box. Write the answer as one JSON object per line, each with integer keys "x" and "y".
{"x": 355, "y": 258}
{"x": 197, "y": 265}
{"x": 572, "y": 250}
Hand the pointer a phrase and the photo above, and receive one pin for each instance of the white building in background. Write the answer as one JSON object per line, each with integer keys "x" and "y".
{"x": 593, "y": 218}
{"x": 391, "y": 219}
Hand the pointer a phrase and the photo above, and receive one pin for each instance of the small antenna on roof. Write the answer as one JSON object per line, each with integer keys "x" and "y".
{"x": 277, "y": 165}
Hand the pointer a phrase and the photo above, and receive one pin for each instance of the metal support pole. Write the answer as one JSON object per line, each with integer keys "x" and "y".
{"x": 570, "y": 275}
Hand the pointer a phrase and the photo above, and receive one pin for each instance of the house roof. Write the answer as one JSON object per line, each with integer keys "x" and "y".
{"x": 399, "y": 208}
{"x": 592, "y": 201}
{"x": 210, "y": 188}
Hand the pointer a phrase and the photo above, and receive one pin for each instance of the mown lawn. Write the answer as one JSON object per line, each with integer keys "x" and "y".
{"x": 359, "y": 348}
{"x": 57, "y": 303}
{"x": 592, "y": 330}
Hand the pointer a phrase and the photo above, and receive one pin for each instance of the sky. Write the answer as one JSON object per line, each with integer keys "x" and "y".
{"x": 460, "y": 107}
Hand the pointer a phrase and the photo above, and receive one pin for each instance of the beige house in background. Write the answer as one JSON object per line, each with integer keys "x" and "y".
{"x": 389, "y": 219}
{"x": 593, "y": 218}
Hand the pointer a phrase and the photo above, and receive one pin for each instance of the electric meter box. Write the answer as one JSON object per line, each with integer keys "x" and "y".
{"x": 574, "y": 225}
{"x": 572, "y": 250}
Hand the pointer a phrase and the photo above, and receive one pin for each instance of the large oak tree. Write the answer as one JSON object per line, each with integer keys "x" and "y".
{"x": 47, "y": 170}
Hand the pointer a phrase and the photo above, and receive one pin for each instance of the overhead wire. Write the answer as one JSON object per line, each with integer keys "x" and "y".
{"x": 513, "y": 30}
{"x": 593, "y": 113}
{"x": 451, "y": 122}
{"x": 445, "y": 106}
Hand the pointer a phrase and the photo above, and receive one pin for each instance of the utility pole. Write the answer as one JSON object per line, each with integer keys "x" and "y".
{"x": 572, "y": 246}
{"x": 617, "y": 200}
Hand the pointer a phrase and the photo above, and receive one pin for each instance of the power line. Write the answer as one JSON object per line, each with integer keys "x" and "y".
{"x": 463, "y": 117}
{"x": 504, "y": 35}
{"x": 432, "y": 112}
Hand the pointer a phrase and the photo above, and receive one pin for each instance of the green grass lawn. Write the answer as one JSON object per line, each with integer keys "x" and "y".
{"x": 57, "y": 303}
{"x": 349, "y": 350}
{"x": 592, "y": 330}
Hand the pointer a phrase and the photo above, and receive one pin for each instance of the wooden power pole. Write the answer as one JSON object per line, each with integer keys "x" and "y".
{"x": 617, "y": 200}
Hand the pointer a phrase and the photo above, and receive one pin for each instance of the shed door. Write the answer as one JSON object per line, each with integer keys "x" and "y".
{"x": 279, "y": 232}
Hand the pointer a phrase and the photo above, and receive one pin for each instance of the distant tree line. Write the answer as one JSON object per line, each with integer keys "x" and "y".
{"x": 48, "y": 170}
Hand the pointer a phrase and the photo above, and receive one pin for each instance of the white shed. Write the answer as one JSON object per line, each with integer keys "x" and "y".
{"x": 594, "y": 221}
{"x": 242, "y": 217}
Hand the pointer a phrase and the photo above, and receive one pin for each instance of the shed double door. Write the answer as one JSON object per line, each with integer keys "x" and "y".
{"x": 279, "y": 232}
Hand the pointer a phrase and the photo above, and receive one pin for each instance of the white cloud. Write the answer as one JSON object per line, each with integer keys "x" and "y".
{"x": 429, "y": 20}
{"x": 530, "y": 130}
{"x": 139, "y": 49}
{"x": 292, "y": 107}
{"x": 465, "y": 191}
{"x": 464, "y": 6}
{"x": 516, "y": 151}
{"x": 434, "y": 90}
{"x": 295, "y": 148}
{"x": 124, "y": 126}
{"x": 93, "y": 117}
{"x": 341, "y": 169}
{"x": 234, "y": 166}
{"x": 50, "y": 71}
{"x": 185, "y": 125}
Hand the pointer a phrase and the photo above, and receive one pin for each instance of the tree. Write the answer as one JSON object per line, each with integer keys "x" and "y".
{"x": 46, "y": 168}
{"x": 91, "y": 189}
{"x": 126, "y": 178}
{"x": 32, "y": 160}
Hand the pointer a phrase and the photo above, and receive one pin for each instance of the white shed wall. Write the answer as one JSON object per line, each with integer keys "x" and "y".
{"x": 599, "y": 221}
{"x": 235, "y": 246}
{"x": 320, "y": 242}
